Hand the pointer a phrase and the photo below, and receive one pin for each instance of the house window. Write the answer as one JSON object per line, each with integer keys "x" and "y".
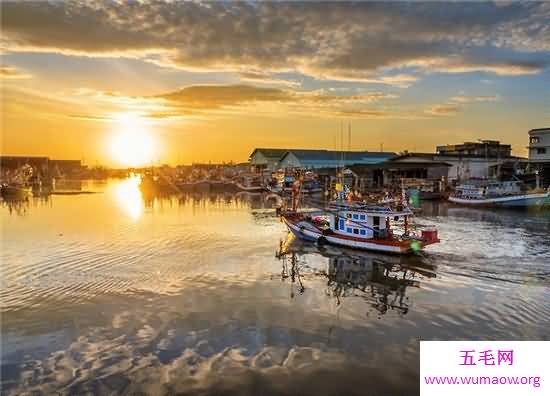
{"x": 363, "y": 232}
{"x": 534, "y": 139}
{"x": 541, "y": 150}
{"x": 356, "y": 231}
{"x": 348, "y": 230}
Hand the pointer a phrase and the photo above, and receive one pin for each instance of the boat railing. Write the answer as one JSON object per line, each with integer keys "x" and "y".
{"x": 378, "y": 209}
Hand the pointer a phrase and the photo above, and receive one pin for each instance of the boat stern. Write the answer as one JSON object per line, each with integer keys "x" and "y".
{"x": 429, "y": 236}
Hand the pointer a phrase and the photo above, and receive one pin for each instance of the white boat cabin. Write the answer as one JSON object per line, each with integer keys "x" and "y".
{"x": 365, "y": 223}
{"x": 479, "y": 190}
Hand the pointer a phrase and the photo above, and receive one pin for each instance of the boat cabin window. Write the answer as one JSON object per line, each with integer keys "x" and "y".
{"x": 348, "y": 230}
{"x": 355, "y": 216}
{"x": 362, "y": 217}
{"x": 363, "y": 232}
{"x": 342, "y": 224}
{"x": 356, "y": 231}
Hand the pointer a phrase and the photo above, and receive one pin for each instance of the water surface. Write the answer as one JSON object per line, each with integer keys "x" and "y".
{"x": 116, "y": 293}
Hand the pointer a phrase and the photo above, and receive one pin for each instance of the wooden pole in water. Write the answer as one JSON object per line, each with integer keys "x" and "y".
{"x": 294, "y": 198}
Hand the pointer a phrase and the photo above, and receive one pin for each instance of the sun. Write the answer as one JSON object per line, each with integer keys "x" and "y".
{"x": 131, "y": 143}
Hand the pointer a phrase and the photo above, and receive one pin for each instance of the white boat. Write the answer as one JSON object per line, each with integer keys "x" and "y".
{"x": 504, "y": 194}
{"x": 250, "y": 183}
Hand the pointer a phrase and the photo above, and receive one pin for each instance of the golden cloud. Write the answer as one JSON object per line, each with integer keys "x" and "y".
{"x": 208, "y": 101}
{"x": 10, "y": 72}
{"x": 443, "y": 109}
{"x": 456, "y": 103}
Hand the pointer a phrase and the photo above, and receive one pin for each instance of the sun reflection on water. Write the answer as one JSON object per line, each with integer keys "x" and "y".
{"x": 128, "y": 197}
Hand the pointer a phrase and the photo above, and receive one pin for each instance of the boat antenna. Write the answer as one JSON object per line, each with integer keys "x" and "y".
{"x": 342, "y": 142}
{"x": 349, "y": 136}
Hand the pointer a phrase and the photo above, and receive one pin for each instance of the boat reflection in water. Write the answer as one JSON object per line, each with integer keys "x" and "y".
{"x": 380, "y": 280}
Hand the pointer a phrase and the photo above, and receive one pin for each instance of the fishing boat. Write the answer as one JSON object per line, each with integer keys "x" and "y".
{"x": 15, "y": 191}
{"x": 310, "y": 184}
{"x": 360, "y": 225}
{"x": 17, "y": 185}
{"x": 284, "y": 181}
{"x": 499, "y": 194}
{"x": 250, "y": 183}
{"x": 423, "y": 189}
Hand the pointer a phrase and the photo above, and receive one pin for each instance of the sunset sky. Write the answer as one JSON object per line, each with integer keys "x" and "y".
{"x": 185, "y": 82}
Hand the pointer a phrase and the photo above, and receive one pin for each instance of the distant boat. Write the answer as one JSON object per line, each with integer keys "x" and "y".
{"x": 284, "y": 181}
{"x": 15, "y": 191}
{"x": 499, "y": 194}
{"x": 250, "y": 184}
{"x": 422, "y": 189}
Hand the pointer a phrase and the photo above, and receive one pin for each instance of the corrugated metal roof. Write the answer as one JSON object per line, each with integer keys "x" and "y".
{"x": 347, "y": 156}
{"x": 270, "y": 152}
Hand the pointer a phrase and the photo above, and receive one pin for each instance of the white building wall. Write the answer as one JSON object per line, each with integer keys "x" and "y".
{"x": 258, "y": 159}
{"x": 539, "y": 151}
{"x": 466, "y": 168}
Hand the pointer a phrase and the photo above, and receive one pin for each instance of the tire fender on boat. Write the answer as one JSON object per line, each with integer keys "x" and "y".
{"x": 321, "y": 241}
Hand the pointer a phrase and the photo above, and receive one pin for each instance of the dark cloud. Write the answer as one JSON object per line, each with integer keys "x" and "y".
{"x": 354, "y": 41}
{"x": 217, "y": 96}
{"x": 207, "y": 101}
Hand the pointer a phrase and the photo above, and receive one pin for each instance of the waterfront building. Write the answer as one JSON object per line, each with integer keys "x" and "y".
{"x": 539, "y": 153}
{"x": 65, "y": 167}
{"x": 482, "y": 148}
{"x": 314, "y": 159}
{"x": 12, "y": 162}
{"x": 266, "y": 158}
{"x": 418, "y": 166}
{"x": 471, "y": 160}
{"x": 272, "y": 159}
{"x": 539, "y": 145}
{"x": 43, "y": 165}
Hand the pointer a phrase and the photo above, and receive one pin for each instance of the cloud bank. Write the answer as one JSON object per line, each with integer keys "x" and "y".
{"x": 338, "y": 41}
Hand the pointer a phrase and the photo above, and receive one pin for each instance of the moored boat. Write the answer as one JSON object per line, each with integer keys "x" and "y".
{"x": 15, "y": 191}
{"x": 283, "y": 181}
{"x": 250, "y": 183}
{"x": 499, "y": 194}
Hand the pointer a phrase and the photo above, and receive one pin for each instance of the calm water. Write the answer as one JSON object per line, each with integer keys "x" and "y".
{"x": 111, "y": 293}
